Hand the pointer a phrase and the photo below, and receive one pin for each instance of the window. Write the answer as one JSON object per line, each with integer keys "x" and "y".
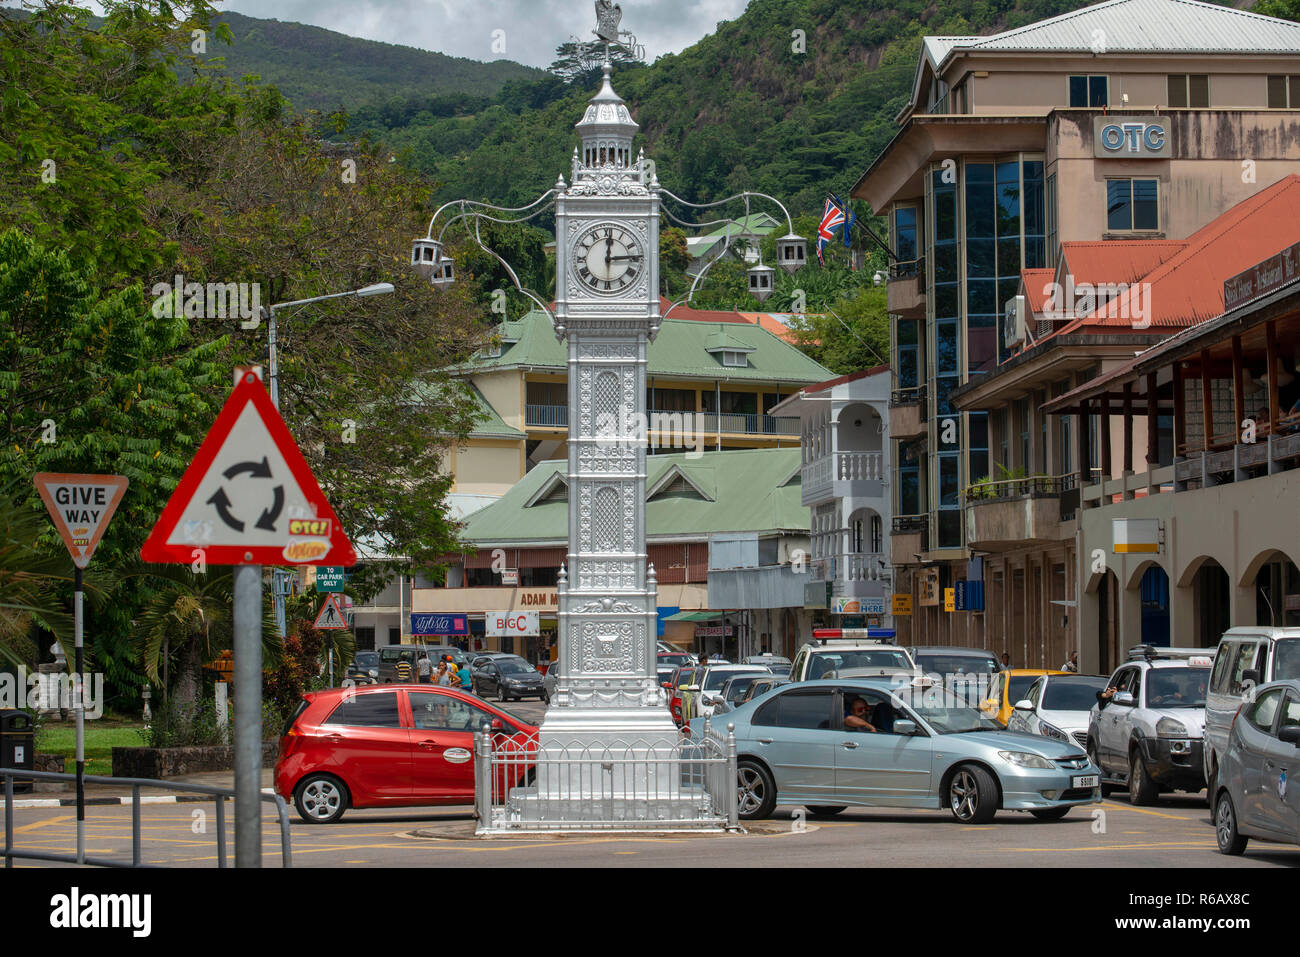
{"x": 1283, "y": 92}
{"x": 1189, "y": 90}
{"x": 367, "y": 711}
{"x": 1291, "y": 713}
{"x": 1244, "y": 661}
{"x": 1265, "y": 710}
{"x": 810, "y": 710}
{"x": 905, "y": 240}
{"x": 1222, "y": 664}
{"x": 738, "y": 359}
{"x": 1089, "y": 91}
{"x": 1051, "y": 219}
{"x": 437, "y": 712}
{"x": 1132, "y": 204}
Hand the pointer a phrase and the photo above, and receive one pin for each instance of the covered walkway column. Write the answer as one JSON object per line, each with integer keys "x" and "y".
{"x": 1182, "y": 614}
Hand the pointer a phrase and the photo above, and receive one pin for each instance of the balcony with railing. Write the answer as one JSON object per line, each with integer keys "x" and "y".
{"x": 905, "y": 289}
{"x": 910, "y": 538}
{"x": 546, "y": 416}
{"x": 706, "y": 423}
{"x": 907, "y": 413}
{"x": 1016, "y": 511}
{"x": 844, "y": 475}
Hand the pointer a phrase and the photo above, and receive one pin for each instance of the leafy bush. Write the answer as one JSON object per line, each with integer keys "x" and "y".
{"x": 181, "y": 725}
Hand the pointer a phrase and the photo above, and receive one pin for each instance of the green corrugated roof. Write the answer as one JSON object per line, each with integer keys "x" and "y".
{"x": 681, "y": 350}
{"x": 490, "y": 424}
{"x": 752, "y": 490}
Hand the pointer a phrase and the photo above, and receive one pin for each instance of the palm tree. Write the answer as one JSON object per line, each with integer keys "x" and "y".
{"x": 29, "y": 580}
{"x": 192, "y": 613}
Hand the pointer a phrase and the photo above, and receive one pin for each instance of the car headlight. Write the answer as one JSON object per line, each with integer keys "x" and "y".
{"x": 374, "y": 672}
{"x": 1023, "y": 759}
{"x": 1170, "y": 728}
{"x": 1051, "y": 731}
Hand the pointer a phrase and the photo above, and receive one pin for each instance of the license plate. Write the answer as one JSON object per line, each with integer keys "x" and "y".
{"x": 1085, "y": 781}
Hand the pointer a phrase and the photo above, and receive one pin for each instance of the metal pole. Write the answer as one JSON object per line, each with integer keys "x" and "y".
{"x": 248, "y": 715}
{"x": 79, "y": 704}
{"x": 9, "y": 819}
{"x": 135, "y": 825}
{"x": 277, "y": 585}
{"x": 274, "y": 360}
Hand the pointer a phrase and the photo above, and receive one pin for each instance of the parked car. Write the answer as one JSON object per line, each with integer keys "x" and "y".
{"x": 682, "y": 677}
{"x": 1006, "y": 688}
{"x": 1246, "y": 657}
{"x": 953, "y": 660}
{"x": 761, "y": 686}
{"x": 551, "y": 681}
{"x": 1057, "y": 706}
{"x": 674, "y": 659}
{"x": 732, "y": 690}
{"x": 509, "y": 677}
{"x": 820, "y": 657}
{"x": 707, "y": 683}
{"x": 1147, "y": 737}
{"x": 1252, "y": 794}
{"x": 364, "y": 669}
{"x": 385, "y": 746}
{"x": 930, "y": 750}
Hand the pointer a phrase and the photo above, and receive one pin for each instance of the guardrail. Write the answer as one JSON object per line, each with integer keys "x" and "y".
{"x": 547, "y": 416}
{"x": 135, "y": 784}
{"x": 1036, "y": 486}
{"x": 902, "y": 397}
{"x": 521, "y": 786}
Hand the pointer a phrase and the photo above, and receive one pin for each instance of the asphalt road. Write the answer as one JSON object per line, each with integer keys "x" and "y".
{"x": 1176, "y": 833}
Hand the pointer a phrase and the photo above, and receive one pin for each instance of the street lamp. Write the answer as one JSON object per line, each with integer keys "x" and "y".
{"x": 279, "y": 577}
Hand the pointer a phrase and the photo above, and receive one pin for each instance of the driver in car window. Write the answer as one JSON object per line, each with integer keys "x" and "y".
{"x": 858, "y": 717}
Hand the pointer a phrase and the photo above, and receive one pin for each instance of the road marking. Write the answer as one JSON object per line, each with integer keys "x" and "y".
{"x": 1116, "y": 847}
{"x": 46, "y": 823}
{"x": 627, "y": 852}
{"x": 1138, "y": 810}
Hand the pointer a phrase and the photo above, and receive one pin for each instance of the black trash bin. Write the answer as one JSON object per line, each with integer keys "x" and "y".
{"x": 17, "y": 746}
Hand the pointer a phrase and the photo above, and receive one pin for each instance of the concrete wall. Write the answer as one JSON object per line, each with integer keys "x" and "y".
{"x": 489, "y": 466}
{"x": 505, "y": 393}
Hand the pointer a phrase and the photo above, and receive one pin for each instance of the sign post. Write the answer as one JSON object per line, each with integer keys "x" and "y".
{"x": 248, "y": 499}
{"x": 81, "y": 506}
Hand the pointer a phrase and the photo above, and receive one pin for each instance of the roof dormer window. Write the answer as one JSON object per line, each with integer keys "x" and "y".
{"x": 737, "y": 359}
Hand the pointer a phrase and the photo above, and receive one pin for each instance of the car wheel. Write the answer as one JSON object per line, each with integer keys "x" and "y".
{"x": 1142, "y": 791}
{"x": 1051, "y": 813}
{"x": 501, "y": 694}
{"x": 825, "y": 810}
{"x": 1106, "y": 789}
{"x": 1225, "y": 827}
{"x": 973, "y": 795}
{"x": 321, "y": 799}
{"x": 756, "y": 791}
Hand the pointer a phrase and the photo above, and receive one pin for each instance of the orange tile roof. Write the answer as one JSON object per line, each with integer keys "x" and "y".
{"x": 1037, "y": 283}
{"x": 1187, "y": 288}
{"x": 774, "y": 325}
{"x": 1116, "y": 260}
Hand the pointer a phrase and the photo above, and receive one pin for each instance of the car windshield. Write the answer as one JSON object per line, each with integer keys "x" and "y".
{"x": 1019, "y": 687}
{"x": 824, "y": 662}
{"x": 1072, "y": 694}
{"x": 716, "y": 679}
{"x": 1286, "y": 663}
{"x": 780, "y": 670}
{"x": 956, "y": 664}
{"x": 738, "y": 686}
{"x": 515, "y": 666}
{"x": 367, "y": 659}
{"x": 944, "y": 711}
{"x": 1177, "y": 687}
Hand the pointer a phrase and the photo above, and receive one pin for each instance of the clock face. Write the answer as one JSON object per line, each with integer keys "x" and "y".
{"x": 607, "y": 258}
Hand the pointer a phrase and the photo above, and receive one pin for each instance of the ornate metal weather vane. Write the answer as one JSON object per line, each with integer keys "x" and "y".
{"x": 608, "y": 17}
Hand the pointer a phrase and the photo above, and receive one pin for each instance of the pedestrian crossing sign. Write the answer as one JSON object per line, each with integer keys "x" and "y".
{"x": 330, "y": 617}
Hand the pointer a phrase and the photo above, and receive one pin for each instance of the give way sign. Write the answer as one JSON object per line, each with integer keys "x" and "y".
{"x": 249, "y": 497}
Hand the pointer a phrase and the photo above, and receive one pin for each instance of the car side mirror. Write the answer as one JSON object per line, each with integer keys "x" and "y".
{"x": 1024, "y": 704}
{"x": 904, "y": 727}
{"x": 692, "y": 687}
{"x": 1289, "y": 735}
{"x": 1123, "y": 697}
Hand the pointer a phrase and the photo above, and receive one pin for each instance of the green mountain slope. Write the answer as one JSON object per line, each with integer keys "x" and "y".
{"x": 322, "y": 70}
{"x": 740, "y": 108}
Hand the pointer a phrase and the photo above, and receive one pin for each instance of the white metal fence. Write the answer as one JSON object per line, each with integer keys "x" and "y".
{"x": 522, "y": 785}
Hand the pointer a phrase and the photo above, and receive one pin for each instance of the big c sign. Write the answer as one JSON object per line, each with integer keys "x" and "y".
{"x": 509, "y": 624}
{"x": 1130, "y": 137}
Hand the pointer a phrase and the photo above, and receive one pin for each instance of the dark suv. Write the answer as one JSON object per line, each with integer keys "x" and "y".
{"x": 390, "y": 655}
{"x": 364, "y": 669}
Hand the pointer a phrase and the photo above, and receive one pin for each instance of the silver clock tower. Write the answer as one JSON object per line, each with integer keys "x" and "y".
{"x": 607, "y": 312}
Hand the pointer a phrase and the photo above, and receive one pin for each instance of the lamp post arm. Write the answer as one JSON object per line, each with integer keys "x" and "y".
{"x": 731, "y": 199}
{"x": 462, "y": 203}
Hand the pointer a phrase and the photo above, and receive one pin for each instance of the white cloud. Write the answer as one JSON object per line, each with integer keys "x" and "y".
{"x": 533, "y": 28}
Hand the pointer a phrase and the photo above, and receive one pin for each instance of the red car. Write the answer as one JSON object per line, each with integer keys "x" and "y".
{"x": 681, "y": 677}
{"x": 388, "y": 746}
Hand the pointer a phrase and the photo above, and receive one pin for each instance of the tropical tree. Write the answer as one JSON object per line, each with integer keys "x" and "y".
{"x": 29, "y": 579}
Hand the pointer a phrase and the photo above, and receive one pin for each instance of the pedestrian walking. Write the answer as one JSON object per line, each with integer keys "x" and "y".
{"x": 466, "y": 679}
{"x": 424, "y": 669}
{"x": 442, "y": 678}
{"x": 402, "y": 671}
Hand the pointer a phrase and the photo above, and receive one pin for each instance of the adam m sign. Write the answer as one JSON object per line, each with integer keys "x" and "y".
{"x": 1130, "y": 137}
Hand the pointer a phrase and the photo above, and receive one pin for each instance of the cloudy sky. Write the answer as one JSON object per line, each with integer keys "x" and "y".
{"x": 533, "y": 28}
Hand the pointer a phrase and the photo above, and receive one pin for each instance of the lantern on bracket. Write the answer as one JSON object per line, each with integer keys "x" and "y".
{"x": 762, "y": 281}
{"x": 444, "y": 273}
{"x": 426, "y": 254}
{"x": 791, "y": 252}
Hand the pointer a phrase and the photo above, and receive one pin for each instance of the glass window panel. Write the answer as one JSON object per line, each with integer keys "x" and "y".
{"x": 982, "y": 343}
{"x": 1078, "y": 91}
{"x": 905, "y": 331}
{"x": 1033, "y": 206}
{"x": 979, "y": 173}
{"x": 978, "y": 423}
{"x": 905, "y": 216}
{"x": 949, "y": 479}
{"x": 1294, "y": 98}
{"x": 907, "y": 367}
{"x": 1177, "y": 89}
{"x": 1007, "y": 288}
{"x": 950, "y": 528}
{"x": 1277, "y": 93}
{"x": 367, "y": 711}
{"x": 1097, "y": 91}
{"x": 1009, "y": 209}
{"x": 945, "y": 300}
{"x": 905, "y": 244}
{"x": 943, "y": 386}
{"x": 945, "y": 262}
{"x": 1008, "y": 172}
{"x": 981, "y": 296}
{"x": 805, "y": 710}
{"x": 979, "y": 210}
{"x": 981, "y": 258}
{"x": 1009, "y": 256}
{"x": 1198, "y": 91}
{"x": 909, "y": 490}
{"x": 1119, "y": 206}
{"x": 945, "y": 345}
{"x": 979, "y": 464}
{"x": 1035, "y": 253}
{"x": 945, "y": 214}
{"x": 1146, "y": 211}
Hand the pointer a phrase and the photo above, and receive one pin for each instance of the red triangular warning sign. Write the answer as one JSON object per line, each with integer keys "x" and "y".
{"x": 249, "y": 497}
{"x": 81, "y": 506}
{"x": 331, "y": 614}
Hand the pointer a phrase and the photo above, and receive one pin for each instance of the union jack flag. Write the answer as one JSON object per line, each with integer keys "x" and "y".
{"x": 832, "y": 219}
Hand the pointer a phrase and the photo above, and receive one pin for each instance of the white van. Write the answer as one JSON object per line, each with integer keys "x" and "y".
{"x": 1248, "y": 656}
